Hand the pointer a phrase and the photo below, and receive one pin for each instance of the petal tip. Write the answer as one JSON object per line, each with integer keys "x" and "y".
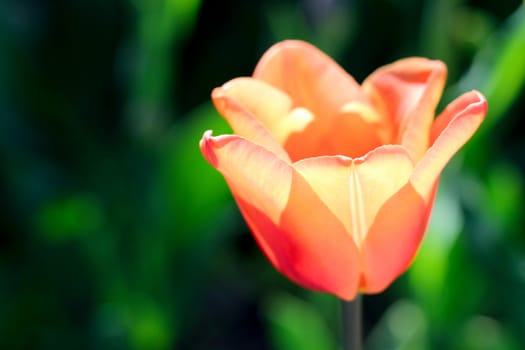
{"x": 475, "y": 104}
{"x": 440, "y": 65}
{"x": 218, "y": 97}
{"x": 278, "y": 49}
{"x": 206, "y": 146}
{"x": 481, "y": 102}
{"x": 217, "y": 92}
{"x": 224, "y": 90}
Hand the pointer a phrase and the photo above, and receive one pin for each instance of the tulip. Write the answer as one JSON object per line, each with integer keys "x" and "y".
{"x": 336, "y": 180}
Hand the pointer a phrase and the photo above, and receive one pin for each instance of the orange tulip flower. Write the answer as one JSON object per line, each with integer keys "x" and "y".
{"x": 337, "y": 180}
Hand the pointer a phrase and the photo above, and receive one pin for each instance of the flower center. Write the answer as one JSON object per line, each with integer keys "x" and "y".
{"x": 354, "y": 131}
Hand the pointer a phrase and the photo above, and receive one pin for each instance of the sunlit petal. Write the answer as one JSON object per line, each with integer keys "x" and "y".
{"x": 295, "y": 237}
{"x": 242, "y": 105}
{"x": 416, "y": 136}
{"x": 311, "y": 78}
{"x": 393, "y": 238}
{"x": 247, "y": 168}
{"x": 466, "y": 101}
{"x": 335, "y": 180}
{"x": 453, "y": 128}
{"x": 355, "y": 189}
{"x": 407, "y": 91}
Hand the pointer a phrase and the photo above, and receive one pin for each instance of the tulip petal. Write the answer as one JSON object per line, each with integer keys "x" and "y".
{"x": 355, "y": 189}
{"x": 393, "y": 238}
{"x": 311, "y": 78}
{"x": 408, "y": 91}
{"x": 455, "y": 108}
{"x": 305, "y": 242}
{"x": 452, "y": 129}
{"x": 247, "y": 168}
{"x": 416, "y": 136}
{"x": 243, "y": 103}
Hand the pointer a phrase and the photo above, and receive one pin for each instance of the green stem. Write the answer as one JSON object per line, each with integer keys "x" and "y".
{"x": 351, "y": 324}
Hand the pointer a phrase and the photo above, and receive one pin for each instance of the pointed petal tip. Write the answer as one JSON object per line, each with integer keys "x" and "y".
{"x": 209, "y": 145}
{"x": 207, "y": 134}
{"x": 218, "y": 98}
{"x": 451, "y": 130}
{"x": 469, "y": 103}
{"x": 216, "y": 92}
{"x": 475, "y": 98}
{"x": 221, "y": 91}
{"x": 206, "y": 146}
{"x": 478, "y": 107}
{"x": 479, "y": 101}
{"x": 205, "y": 137}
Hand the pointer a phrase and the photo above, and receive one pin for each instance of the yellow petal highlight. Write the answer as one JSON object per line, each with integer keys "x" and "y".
{"x": 240, "y": 103}
{"x": 296, "y": 121}
{"x": 248, "y": 169}
{"x": 329, "y": 178}
{"x": 355, "y": 189}
{"x": 254, "y": 96}
{"x": 244, "y": 102}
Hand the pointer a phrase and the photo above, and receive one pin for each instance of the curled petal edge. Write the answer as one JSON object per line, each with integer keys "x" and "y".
{"x": 453, "y": 128}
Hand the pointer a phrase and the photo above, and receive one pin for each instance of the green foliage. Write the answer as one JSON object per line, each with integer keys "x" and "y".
{"x": 497, "y": 69}
{"x": 68, "y": 218}
{"x": 116, "y": 234}
{"x": 187, "y": 200}
{"x": 295, "y": 324}
{"x": 403, "y": 327}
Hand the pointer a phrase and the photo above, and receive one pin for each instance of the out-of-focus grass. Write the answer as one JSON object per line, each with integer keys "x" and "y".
{"x": 116, "y": 233}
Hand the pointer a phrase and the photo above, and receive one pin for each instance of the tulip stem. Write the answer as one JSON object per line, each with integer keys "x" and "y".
{"x": 351, "y": 324}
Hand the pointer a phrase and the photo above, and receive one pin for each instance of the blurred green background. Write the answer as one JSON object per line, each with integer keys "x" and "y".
{"x": 116, "y": 234}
